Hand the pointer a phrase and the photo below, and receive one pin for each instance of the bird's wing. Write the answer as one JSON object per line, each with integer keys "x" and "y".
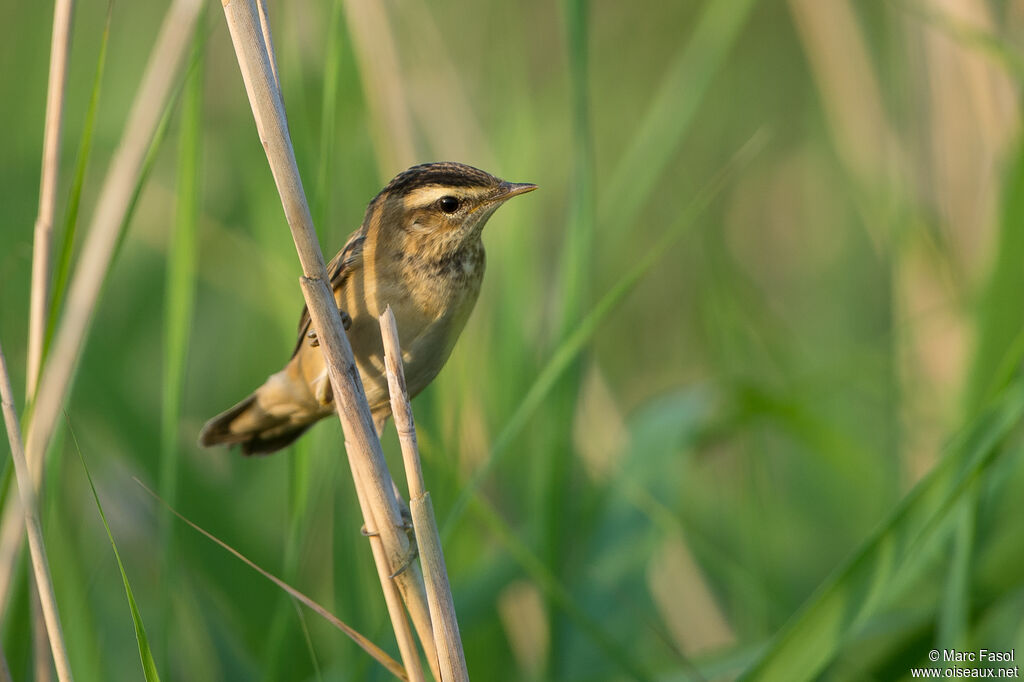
{"x": 341, "y": 266}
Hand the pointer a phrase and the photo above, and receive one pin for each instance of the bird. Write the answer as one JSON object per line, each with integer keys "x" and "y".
{"x": 419, "y": 250}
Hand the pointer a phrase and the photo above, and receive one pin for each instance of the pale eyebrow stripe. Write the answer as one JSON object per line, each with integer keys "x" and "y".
{"x": 424, "y": 196}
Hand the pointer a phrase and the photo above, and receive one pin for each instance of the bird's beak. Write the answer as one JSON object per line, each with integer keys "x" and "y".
{"x": 507, "y": 190}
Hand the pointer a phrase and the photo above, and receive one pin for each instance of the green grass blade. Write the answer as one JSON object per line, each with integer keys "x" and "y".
{"x": 576, "y": 341}
{"x": 181, "y": 277}
{"x": 179, "y": 304}
{"x": 159, "y": 135}
{"x": 145, "y": 653}
{"x": 328, "y": 120}
{"x": 845, "y": 601}
{"x": 578, "y": 251}
{"x": 954, "y": 613}
{"x": 67, "y": 241}
{"x": 999, "y": 323}
{"x": 671, "y": 112}
{"x": 310, "y": 647}
{"x": 1000, "y": 317}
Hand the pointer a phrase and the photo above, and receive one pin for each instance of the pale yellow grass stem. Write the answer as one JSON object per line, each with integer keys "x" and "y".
{"x": 97, "y": 252}
{"x": 42, "y": 240}
{"x": 40, "y": 564}
{"x": 365, "y": 455}
{"x": 451, "y": 658}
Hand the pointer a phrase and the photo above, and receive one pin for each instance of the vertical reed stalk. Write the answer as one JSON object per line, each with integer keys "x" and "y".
{"x": 451, "y": 658}
{"x": 392, "y": 598}
{"x": 97, "y": 253}
{"x": 369, "y": 469}
{"x": 37, "y": 548}
{"x": 42, "y": 242}
{"x": 261, "y": 6}
{"x": 98, "y": 250}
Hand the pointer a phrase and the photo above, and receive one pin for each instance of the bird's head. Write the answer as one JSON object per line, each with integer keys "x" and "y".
{"x": 439, "y": 207}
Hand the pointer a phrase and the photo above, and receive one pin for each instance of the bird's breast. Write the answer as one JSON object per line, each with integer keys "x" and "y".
{"x": 431, "y": 300}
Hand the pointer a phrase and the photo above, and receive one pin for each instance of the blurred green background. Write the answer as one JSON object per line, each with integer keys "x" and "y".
{"x": 772, "y": 281}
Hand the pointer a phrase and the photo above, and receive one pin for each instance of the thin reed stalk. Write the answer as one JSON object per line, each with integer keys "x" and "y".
{"x": 381, "y": 509}
{"x": 451, "y": 658}
{"x": 261, "y": 6}
{"x": 97, "y": 253}
{"x": 37, "y": 548}
{"x": 42, "y": 240}
{"x": 392, "y": 598}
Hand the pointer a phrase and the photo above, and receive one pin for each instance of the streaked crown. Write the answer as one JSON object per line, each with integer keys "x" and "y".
{"x": 440, "y": 174}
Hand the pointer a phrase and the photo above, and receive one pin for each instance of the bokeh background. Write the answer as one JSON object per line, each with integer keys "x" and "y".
{"x": 771, "y": 282}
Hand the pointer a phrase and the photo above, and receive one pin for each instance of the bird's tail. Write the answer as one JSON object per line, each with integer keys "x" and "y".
{"x": 249, "y": 425}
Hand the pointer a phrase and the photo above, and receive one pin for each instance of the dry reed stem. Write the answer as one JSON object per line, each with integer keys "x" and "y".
{"x": 451, "y": 658}
{"x": 42, "y": 240}
{"x": 97, "y": 252}
{"x": 365, "y": 455}
{"x": 37, "y": 548}
{"x": 370, "y": 473}
{"x": 392, "y": 598}
{"x": 261, "y": 6}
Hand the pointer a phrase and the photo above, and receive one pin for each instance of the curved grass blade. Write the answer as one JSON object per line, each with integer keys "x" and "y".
{"x": 845, "y": 601}
{"x": 365, "y": 644}
{"x": 145, "y": 653}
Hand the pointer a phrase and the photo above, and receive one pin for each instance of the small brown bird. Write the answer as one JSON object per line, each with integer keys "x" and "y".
{"x": 419, "y": 251}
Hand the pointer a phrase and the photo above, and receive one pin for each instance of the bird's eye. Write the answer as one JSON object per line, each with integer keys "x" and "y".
{"x": 449, "y": 204}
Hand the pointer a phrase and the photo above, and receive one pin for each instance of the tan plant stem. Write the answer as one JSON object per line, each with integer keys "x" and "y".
{"x": 37, "y": 548}
{"x": 392, "y": 598}
{"x": 42, "y": 240}
{"x": 171, "y": 46}
{"x": 451, "y": 658}
{"x": 365, "y": 455}
{"x": 261, "y": 5}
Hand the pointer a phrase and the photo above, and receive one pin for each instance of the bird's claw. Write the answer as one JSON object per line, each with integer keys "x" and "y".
{"x": 414, "y": 550}
{"x": 346, "y": 322}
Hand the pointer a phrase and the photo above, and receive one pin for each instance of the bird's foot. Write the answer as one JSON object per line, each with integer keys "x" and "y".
{"x": 407, "y": 526}
{"x": 346, "y": 322}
